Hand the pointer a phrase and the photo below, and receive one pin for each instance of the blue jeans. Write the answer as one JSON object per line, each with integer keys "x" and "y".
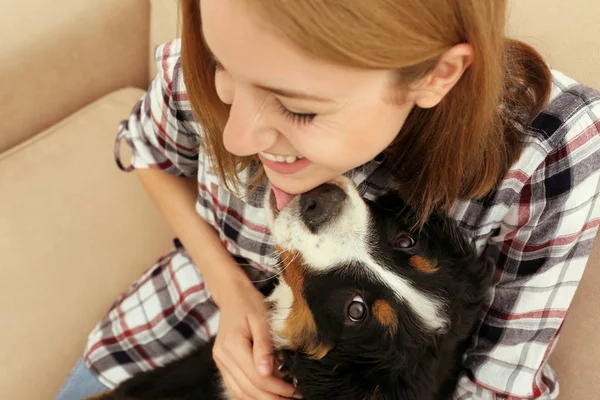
{"x": 81, "y": 383}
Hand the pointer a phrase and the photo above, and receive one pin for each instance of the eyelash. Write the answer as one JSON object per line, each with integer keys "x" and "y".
{"x": 296, "y": 118}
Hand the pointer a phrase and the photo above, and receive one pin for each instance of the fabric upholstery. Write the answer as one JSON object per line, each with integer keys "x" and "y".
{"x": 164, "y": 26}
{"x": 566, "y": 33}
{"x": 75, "y": 233}
{"x": 59, "y": 56}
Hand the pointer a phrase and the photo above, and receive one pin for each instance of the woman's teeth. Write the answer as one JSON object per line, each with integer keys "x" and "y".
{"x": 278, "y": 158}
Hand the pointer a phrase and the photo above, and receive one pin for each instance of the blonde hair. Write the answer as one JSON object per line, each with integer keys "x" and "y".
{"x": 456, "y": 150}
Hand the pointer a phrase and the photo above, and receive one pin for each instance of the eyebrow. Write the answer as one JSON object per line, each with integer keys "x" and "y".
{"x": 291, "y": 94}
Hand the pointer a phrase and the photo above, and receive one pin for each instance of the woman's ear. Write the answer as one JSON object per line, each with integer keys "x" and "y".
{"x": 447, "y": 72}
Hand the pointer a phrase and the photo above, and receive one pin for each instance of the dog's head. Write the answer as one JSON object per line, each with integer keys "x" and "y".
{"x": 359, "y": 282}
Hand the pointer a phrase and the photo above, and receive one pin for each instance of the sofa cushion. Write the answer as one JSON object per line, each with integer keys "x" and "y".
{"x": 59, "y": 56}
{"x": 75, "y": 232}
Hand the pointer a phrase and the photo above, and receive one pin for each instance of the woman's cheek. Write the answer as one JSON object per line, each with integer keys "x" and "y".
{"x": 320, "y": 143}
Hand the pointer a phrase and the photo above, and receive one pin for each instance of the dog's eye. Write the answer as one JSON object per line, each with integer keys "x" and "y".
{"x": 404, "y": 241}
{"x": 357, "y": 309}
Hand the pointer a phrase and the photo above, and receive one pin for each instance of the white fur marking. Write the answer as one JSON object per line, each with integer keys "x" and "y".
{"x": 282, "y": 298}
{"x": 346, "y": 240}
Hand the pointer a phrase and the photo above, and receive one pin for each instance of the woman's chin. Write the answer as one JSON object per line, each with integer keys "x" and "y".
{"x": 296, "y": 184}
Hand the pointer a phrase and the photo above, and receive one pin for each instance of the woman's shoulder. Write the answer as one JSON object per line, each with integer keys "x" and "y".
{"x": 167, "y": 58}
{"x": 573, "y": 108}
{"x": 168, "y": 86}
{"x": 559, "y": 157}
{"x": 168, "y": 49}
{"x": 567, "y": 127}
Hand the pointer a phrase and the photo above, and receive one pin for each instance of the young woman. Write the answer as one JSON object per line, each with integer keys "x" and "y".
{"x": 428, "y": 96}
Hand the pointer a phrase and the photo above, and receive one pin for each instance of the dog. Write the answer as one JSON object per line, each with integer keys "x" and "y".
{"x": 366, "y": 306}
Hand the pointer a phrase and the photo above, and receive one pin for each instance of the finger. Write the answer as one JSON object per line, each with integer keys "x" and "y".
{"x": 240, "y": 383}
{"x": 241, "y": 353}
{"x": 262, "y": 349}
{"x": 230, "y": 383}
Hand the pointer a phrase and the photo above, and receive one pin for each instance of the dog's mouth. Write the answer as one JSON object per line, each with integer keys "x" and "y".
{"x": 326, "y": 215}
{"x": 325, "y": 200}
{"x": 279, "y": 198}
{"x": 282, "y": 367}
{"x": 273, "y": 204}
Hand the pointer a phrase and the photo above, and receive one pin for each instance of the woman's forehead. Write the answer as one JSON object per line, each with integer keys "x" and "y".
{"x": 252, "y": 52}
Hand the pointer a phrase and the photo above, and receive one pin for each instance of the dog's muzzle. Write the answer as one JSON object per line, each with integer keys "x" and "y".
{"x": 321, "y": 205}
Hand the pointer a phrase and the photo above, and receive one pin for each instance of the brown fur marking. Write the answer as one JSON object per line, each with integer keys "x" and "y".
{"x": 385, "y": 314}
{"x": 423, "y": 265}
{"x": 99, "y": 396}
{"x": 300, "y": 328}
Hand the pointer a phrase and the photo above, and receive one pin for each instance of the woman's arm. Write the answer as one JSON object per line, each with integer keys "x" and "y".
{"x": 167, "y": 153}
{"x": 176, "y": 198}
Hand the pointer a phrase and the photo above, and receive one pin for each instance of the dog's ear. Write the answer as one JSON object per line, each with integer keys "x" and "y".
{"x": 391, "y": 202}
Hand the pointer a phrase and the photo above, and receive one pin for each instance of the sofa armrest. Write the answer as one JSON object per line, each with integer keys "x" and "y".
{"x": 76, "y": 231}
{"x": 59, "y": 56}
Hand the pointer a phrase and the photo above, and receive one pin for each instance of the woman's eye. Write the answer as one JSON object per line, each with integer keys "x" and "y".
{"x": 357, "y": 309}
{"x": 296, "y": 118}
{"x": 404, "y": 241}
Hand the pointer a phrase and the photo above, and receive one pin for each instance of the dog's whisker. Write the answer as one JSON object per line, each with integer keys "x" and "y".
{"x": 282, "y": 266}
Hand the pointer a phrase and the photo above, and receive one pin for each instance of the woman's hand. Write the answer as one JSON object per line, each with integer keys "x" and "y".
{"x": 242, "y": 348}
{"x": 243, "y": 351}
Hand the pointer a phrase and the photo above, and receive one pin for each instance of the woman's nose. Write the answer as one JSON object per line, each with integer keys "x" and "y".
{"x": 247, "y": 131}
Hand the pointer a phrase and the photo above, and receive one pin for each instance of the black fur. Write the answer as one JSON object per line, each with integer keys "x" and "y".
{"x": 366, "y": 361}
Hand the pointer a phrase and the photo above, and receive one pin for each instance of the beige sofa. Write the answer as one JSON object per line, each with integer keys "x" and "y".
{"x": 75, "y": 231}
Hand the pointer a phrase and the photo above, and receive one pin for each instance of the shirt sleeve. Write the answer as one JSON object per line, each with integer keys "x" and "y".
{"x": 161, "y": 132}
{"x": 542, "y": 248}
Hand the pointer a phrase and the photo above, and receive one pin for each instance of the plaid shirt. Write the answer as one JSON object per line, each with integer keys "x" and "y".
{"x": 539, "y": 224}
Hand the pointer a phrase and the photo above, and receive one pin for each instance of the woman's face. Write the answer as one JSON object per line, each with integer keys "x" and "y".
{"x": 308, "y": 120}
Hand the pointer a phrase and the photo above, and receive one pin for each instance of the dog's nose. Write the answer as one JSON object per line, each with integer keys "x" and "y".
{"x": 321, "y": 204}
